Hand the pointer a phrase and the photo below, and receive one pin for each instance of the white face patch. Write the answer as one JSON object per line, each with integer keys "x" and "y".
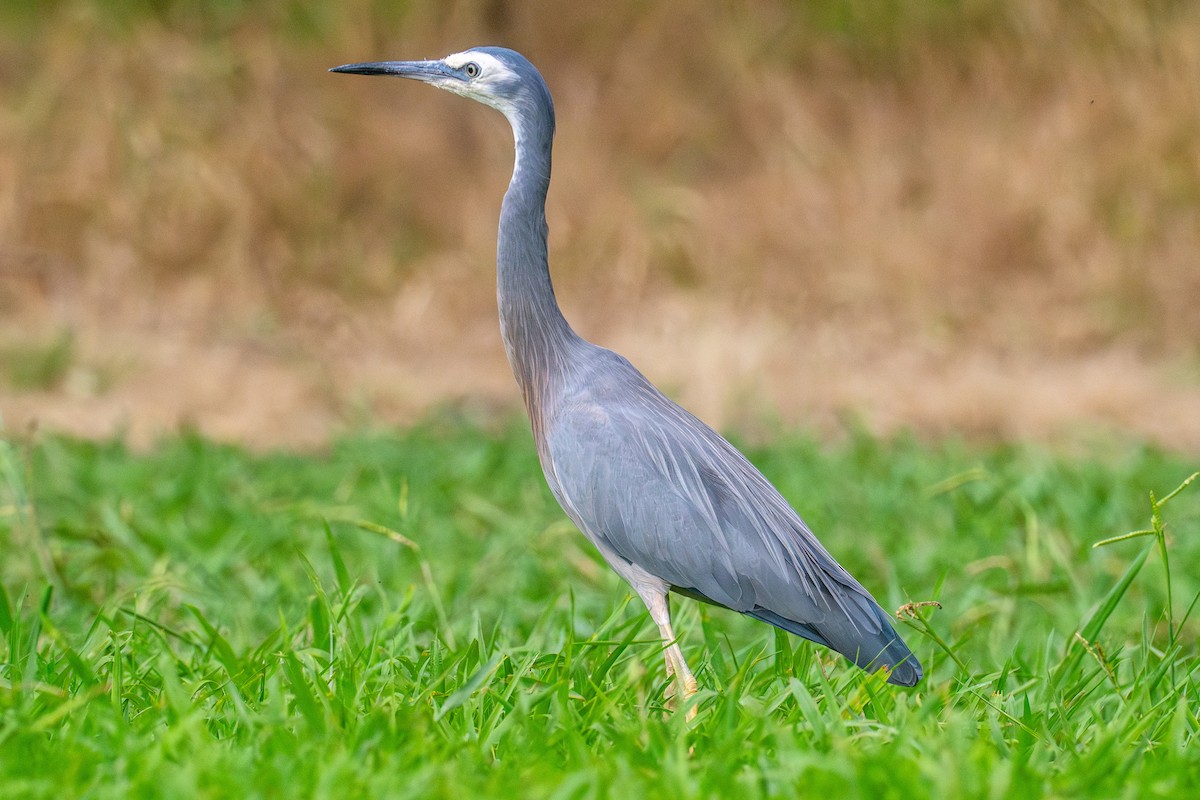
{"x": 492, "y": 72}
{"x": 491, "y": 69}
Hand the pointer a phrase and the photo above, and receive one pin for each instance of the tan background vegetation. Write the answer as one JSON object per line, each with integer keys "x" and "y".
{"x": 961, "y": 217}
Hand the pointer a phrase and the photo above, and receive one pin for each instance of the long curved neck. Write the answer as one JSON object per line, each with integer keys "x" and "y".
{"x": 536, "y": 335}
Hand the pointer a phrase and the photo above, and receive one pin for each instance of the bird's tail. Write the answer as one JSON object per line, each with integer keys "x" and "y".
{"x": 871, "y": 651}
{"x": 904, "y": 668}
{"x": 884, "y": 648}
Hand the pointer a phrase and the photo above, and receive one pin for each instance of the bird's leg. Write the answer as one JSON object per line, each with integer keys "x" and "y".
{"x": 685, "y": 683}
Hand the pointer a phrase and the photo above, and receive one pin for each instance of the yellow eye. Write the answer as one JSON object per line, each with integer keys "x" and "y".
{"x": 471, "y": 69}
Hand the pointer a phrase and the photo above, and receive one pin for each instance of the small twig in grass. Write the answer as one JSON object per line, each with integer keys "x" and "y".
{"x": 911, "y": 613}
{"x": 375, "y": 527}
{"x": 821, "y": 667}
{"x": 910, "y": 609}
{"x": 1097, "y": 652}
{"x": 1187, "y": 481}
{"x": 1124, "y": 537}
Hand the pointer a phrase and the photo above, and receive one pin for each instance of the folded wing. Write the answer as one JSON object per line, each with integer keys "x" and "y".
{"x": 660, "y": 489}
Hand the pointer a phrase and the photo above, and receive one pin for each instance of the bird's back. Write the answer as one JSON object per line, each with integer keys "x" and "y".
{"x": 653, "y": 485}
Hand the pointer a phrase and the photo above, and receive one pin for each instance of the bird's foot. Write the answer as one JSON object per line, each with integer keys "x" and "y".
{"x": 679, "y": 692}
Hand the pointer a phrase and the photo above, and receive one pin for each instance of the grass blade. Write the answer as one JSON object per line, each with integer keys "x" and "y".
{"x": 473, "y": 684}
{"x": 1095, "y": 622}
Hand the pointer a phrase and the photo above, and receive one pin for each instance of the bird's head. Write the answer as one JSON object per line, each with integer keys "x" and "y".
{"x": 495, "y": 76}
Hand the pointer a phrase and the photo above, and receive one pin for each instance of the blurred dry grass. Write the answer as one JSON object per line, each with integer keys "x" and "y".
{"x": 961, "y": 216}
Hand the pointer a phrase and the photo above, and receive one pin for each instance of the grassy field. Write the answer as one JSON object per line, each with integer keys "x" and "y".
{"x": 409, "y": 615}
{"x": 966, "y": 218}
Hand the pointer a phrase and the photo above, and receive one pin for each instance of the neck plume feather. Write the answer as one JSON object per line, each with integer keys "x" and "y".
{"x": 536, "y": 335}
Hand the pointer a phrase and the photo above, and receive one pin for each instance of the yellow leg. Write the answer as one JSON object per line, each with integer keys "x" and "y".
{"x": 685, "y": 681}
{"x": 653, "y": 591}
{"x": 684, "y": 685}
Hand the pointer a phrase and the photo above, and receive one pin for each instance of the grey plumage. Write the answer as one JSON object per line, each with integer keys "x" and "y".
{"x": 669, "y": 503}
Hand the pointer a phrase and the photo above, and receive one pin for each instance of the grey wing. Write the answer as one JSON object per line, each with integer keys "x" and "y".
{"x": 655, "y": 486}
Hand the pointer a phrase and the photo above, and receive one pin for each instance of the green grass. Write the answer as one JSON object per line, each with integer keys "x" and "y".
{"x": 409, "y": 615}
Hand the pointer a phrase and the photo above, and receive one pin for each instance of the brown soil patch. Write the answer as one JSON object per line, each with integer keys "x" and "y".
{"x": 301, "y": 385}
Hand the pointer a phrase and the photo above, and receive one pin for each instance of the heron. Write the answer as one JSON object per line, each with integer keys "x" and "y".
{"x": 669, "y": 504}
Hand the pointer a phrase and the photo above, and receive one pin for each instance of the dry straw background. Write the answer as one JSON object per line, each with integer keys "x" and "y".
{"x": 966, "y": 217}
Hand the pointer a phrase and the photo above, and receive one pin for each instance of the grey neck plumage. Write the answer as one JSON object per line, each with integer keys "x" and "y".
{"x": 536, "y": 335}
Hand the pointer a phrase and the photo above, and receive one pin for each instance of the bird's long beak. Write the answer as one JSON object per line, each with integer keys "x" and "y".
{"x": 427, "y": 71}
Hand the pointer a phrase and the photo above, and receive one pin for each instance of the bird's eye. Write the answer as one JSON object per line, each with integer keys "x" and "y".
{"x": 471, "y": 69}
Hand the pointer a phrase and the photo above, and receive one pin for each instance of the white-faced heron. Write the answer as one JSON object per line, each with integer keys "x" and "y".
{"x": 670, "y": 505}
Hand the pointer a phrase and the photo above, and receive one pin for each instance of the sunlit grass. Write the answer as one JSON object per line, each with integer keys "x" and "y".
{"x": 409, "y": 615}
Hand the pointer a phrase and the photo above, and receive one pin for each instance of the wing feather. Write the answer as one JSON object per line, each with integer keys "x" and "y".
{"x": 658, "y": 488}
